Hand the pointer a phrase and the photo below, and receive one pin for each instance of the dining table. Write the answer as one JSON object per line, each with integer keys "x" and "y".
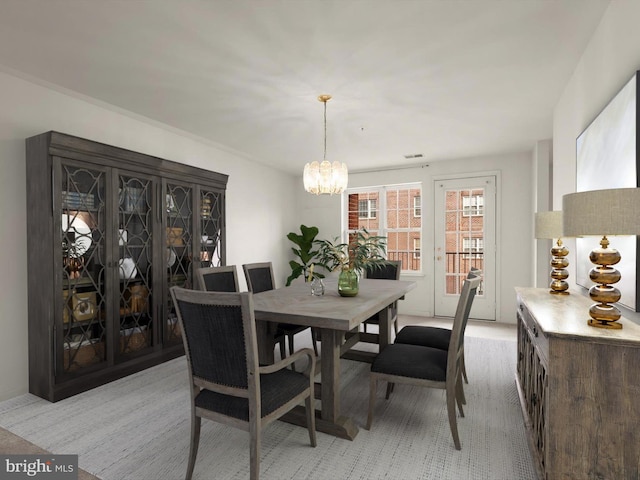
{"x": 338, "y": 320}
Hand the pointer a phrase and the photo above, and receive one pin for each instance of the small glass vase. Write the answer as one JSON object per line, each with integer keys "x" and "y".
{"x": 348, "y": 283}
{"x": 317, "y": 287}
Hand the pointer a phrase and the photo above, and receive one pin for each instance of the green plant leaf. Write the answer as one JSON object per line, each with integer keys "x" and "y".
{"x": 304, "y": 251}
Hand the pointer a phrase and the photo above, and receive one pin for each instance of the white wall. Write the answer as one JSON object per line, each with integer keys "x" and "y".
{"x": 514, "y": 224}
{"x": 542, "y": 202}
{"x": 260, "y": 205}
{"x": 609, "y": 61}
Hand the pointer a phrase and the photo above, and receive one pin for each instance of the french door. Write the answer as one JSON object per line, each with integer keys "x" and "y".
{"x": 465, "y": 237}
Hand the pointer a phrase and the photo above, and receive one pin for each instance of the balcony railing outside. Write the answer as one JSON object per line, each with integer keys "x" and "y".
{"x": 457, "y": 267}
{"x": 410, "y": 259}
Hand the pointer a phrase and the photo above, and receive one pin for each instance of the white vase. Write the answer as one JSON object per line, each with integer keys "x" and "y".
{"x": 127, "y": 268}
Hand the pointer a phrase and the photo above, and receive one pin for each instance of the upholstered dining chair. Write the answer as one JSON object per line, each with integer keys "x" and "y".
{"x": 388, "y": 271}
{"x": 227, "y": 383}
{"x": 259, "y": 278}
{"x": 225, "y": 279}
{"x": 218, "y": 279}
{"x": 428, "y": 366}
{"x": 435, "y": 337}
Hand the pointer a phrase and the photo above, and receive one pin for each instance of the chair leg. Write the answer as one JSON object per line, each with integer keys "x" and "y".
{"x": 311, "y": 418}
{"x": 314, "y": 340}
{"x": 193, "y": 444}
{"x": 464, "y": 368}
{"x": 460, "y": 390}
{"x": 460, "y": 400}
{"x": 389, "y": 390}
{"x": 283, "y": 350}
{"x": 373, "y": 386}
{"x": 291, "y": 350}
{"x": 451, "y": 410}
{"x": 254, "y": 451}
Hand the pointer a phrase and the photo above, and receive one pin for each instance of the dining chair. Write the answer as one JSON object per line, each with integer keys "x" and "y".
{"x": 225, "y": 279}
{"x": 427, "y": 366}
{"x": 260, "y": 278}
{"x": 218, "y": 279}
{"x": 435, "y": 337}
{"x": 388, "y": 271}
{"x": 227, "y": 384}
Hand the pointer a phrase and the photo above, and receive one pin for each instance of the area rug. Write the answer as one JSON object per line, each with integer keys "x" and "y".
{"x": 137, "y": 428}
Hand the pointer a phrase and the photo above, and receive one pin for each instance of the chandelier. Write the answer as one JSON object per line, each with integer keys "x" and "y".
{"x": 325, "y": 177}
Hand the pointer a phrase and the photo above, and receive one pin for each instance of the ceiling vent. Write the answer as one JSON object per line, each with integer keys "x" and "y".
{"x": 414, "y": 155}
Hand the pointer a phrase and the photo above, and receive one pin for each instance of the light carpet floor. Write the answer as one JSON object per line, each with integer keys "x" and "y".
{"x": 137, "y": 428}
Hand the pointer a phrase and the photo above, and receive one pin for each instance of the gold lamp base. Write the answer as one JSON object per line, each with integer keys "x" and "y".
{"x": 604, "y": 314}
{"x": 559, "y": 273}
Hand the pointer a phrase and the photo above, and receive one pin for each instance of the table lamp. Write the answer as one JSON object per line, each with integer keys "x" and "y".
{"x": 549, "y": 225}
{"x": 603, "y": 212}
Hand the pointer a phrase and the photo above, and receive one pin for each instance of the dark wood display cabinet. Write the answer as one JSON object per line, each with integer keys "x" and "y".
{"x": 109, "y": 232}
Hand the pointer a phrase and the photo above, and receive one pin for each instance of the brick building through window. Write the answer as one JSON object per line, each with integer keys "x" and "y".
{"x": 395, "y": 212}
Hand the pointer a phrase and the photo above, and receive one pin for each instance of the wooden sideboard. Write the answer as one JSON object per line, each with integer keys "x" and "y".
{"x": 579, "y": 388}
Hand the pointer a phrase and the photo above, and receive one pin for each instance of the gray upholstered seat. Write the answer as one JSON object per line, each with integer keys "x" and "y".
{"x": 227, "y": 384}
{"x": 435, "y": 337}
{"x": 428, "y": 366}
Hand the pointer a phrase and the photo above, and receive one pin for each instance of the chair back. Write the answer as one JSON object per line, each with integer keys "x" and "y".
{"x": 456, "y": 343}
{"x": 259, "y": 276}
{"x": 219, "y": 335}
{"x": 218, "y": 279}
{"x": 474, "y": 271}
{"x": 388, "y": 271}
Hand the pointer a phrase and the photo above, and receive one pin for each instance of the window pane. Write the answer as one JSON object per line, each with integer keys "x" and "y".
{"x": 401, "y": 222}
{"x": 464, "y": 235}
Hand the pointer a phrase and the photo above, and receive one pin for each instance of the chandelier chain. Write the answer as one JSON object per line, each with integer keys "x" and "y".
{"x": 325, "y": 131}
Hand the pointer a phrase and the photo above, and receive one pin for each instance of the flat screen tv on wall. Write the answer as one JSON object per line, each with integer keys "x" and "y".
{"x": 607, "y": 157}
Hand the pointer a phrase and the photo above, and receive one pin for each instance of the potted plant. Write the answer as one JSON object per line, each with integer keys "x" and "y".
{"x": 363, "y": 252}
{"x": 305, "y": 253}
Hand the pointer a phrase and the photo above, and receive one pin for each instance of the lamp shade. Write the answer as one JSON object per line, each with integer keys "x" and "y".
{"x": 602, "y": 212}
{"x": 549, "y": 224}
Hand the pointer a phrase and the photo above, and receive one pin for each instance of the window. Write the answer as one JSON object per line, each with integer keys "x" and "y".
{"x": 392, "y": 211}
{"x": 367, "y": 208}
{"x": 472, "y": 205}
{"x": 473, "y": 247}
{"x": 417, "y": 206}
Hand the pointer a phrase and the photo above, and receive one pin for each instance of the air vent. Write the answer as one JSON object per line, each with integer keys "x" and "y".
{"x": 414, "y": 155}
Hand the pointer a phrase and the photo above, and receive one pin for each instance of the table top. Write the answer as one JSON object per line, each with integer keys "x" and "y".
{"x": 296, "y": 305}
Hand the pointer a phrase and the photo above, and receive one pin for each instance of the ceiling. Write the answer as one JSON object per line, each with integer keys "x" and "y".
{"x": 439, "y": 78}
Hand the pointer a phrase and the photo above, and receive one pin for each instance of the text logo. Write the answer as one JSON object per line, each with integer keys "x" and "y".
{"x": 45, "y": 467}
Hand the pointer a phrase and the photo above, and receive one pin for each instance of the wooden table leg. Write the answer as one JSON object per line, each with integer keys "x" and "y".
{"x": 266, "y": 343}
{"x": 330, "y": 374}
{"x": 382, "y": 338}
{"x": 328, "y": 420}
{"x": 385, "y": 326}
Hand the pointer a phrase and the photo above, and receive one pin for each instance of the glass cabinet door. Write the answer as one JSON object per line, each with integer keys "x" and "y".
{"x": 211, "y": 209}
{"x": 178, "y": 221}
{"x": 81, "y": 333}
{"x": 135, "y": 264}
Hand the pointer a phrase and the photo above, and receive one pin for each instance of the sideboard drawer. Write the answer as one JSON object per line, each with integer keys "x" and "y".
{"x": 538, "y": 337}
